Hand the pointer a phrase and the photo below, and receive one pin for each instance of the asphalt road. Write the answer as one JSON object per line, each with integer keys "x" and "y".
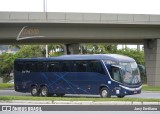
{"x": 142, "y": 95}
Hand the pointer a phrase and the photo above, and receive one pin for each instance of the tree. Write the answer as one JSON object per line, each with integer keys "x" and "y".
{"x": 30, "y": 51}
{"x": 6, "y": 63}
{"x": 110, "y": 48}
{"x": 55, "y": 50}
{"x": 137, "y": 55}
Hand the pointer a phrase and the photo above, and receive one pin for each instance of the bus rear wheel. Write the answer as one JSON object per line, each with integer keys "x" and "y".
{"x": 104, "y": 92}
{"x": 60, "y": 94}
{"x": 34, "y": 91}
{"x": 44, "y": 91}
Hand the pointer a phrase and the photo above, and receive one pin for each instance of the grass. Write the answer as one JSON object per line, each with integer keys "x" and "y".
{"x": 150, "y": 88}
{"x": 6, "y": 85}
{"x": 76, "y": 99}
{"x": 144, "y": 87}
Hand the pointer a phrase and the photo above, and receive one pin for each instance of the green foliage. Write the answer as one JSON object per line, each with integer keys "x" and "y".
{"x": 78, "y": 99}
{"x": 25, "y": 51}
{"x": 98, "y": 48}
{"x": 6, "y": 63}
{"x": 30, "y": 51}
{"x": 137, "y": 55}
{"x": 150, "y": 88}
{"x": 111, "y": 48}
{"x": 55, "y": 50}
{"x": 6, "y": 85}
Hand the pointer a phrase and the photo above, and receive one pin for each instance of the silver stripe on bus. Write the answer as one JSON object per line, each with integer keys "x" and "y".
{"x": 130, "y": 89}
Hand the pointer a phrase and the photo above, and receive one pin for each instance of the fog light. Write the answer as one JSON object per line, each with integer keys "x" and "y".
{"x": 117, "y": 92}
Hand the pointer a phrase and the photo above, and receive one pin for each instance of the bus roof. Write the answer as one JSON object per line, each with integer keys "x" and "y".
{"x": 114, "y": 57}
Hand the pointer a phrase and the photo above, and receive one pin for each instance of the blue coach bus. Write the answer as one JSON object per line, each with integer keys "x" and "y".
{"x": 99, "y": 74}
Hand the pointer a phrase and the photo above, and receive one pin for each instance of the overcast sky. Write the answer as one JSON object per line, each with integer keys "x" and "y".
{"x": 91, "y": 6}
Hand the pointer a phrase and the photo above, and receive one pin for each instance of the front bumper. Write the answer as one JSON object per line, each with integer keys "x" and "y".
{"x": 130, "y": 91}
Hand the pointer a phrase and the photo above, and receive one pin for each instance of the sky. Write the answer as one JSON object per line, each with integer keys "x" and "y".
{"x": 91, "y": 6}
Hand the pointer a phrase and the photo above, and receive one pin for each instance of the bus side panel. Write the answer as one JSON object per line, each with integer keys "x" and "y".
{"x": 75, "y": 82}
{"x": 96, "y": 80}
{"x": 18, "y": 81}
{"x": 68, "y": 83}
{"x": 55, "y": 82}
{"x": 78, "y": 82}
{"x": 82, "y": 82}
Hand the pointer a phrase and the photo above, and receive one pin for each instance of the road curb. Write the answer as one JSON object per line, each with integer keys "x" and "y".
{"x": 78, "y": 102}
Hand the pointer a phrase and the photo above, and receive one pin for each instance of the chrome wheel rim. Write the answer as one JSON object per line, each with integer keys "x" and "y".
{"x": 34, "y": 91}
{"x": 104, "y": 93}
{"x": 44, "y": 92}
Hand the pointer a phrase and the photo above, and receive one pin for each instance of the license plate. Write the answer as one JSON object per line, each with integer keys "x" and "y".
{"x": 135, "y": 92}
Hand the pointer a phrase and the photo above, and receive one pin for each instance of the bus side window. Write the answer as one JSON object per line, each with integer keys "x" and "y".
{"x": 19, "y": 66}
{"x": 30, "y": 66}
{"x": 65, "y": 67}
{"x": 95, "y": 66}
{"x": 80, "y": 66}
{"x": 40, "y": 67}
{"x": 53, "y": 67}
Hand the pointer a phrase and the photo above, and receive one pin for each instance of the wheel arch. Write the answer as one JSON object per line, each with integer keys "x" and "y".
{"x": 32, "y": 85}
{"x": 43, "y": 85}
{"x": 32, "y": 88}
{"x": 102, "y": 86}
{"x": 107, "y": 90}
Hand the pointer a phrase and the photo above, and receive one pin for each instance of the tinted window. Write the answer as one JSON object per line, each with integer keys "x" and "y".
{"x": 30, "y": 66}
{"x": 53, "y": 67}
{"x": 40, "y": 67}
{"x": 95, "y": 66}
{"x": 19, "y": 66}
{"x": 65, "y": 67}
{"x": 80, "y": 66}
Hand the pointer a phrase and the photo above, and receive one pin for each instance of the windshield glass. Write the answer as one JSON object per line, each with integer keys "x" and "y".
{"x": 130, "y": 73}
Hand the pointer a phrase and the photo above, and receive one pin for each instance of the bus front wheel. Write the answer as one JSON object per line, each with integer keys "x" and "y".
{"x": 120, "y": 96}
{"x": 34, "y": 91}
{"x": 104, "y": 92}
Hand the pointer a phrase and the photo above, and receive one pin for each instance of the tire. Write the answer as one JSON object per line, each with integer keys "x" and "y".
{"x": 50, "y": 94}
{"x": 104, "y": 92}
{"x": 120, "y": 96}
{"x": 44, "y": 91}
{"x": 60, "y": 94}
{"x": 34, "y": 91}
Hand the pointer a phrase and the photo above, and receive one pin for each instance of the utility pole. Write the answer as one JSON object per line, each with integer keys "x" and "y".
{"x": 45, "y": 10}
{"x": 138, "y": 48}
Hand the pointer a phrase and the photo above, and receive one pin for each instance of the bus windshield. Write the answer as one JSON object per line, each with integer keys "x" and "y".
{"x": 130, "y": 73}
